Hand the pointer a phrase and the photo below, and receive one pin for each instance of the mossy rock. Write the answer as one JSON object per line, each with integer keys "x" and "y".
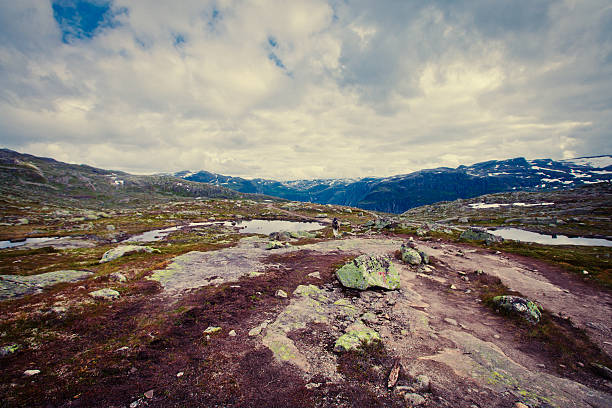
{"x": 354, "y": 339}
{"x": 410, "y": 255}
{"x": 368, "y": 271}
{"x": 518, "y": 305}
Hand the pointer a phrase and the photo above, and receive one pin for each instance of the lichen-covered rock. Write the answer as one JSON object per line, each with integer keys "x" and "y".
{"x": 124, "y": 250}
{"x": 9, "y": 349}
{"x": 212, "y": 329}
{"x": 382, "y": 223}
{"x": 367, "y": 271}
{"x": 302, "y": 234}
{"x": 356, "y": 336}
{"x": 308, "y": 305}
{"x": 277, "y": 245}
{"x": 515, "y": 304}
{"x": 477, "y": 234}
{"x": 410, "y": 255}
{"x": 104, "y": 294}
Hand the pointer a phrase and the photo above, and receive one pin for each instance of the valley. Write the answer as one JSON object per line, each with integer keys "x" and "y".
{"x": 399, "y": 193}
{"x": 173, "y": 300}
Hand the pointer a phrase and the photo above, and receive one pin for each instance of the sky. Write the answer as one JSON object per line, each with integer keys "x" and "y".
{"x": 304, "y": 89}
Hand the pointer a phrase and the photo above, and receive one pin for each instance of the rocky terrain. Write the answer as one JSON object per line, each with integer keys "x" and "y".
{"x": 185, "y": 301}
{"x": 400, "y": 193}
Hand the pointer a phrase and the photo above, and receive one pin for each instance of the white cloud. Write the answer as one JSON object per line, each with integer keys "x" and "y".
{"x": 350, "y": 90}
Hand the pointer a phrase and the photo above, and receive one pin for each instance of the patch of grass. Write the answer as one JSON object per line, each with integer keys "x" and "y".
{"x": 596, "y": 260}
{"x": 370, "y": 363}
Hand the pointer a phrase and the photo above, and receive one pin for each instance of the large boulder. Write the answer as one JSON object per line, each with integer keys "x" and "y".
{"x": 124, "y": 250}
{"x": 367, "y": 271}
{"x": 518, "y": 305}
{"x": 479, "y": 234}
{"x": 410, "y": 255}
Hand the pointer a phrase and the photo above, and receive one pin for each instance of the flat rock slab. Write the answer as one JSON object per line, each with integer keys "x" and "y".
{"x": 487, "y": 363}
{"x": 12, "y": 286}
{"x": 196, "y": 269}
{"x": 62, "y": 243}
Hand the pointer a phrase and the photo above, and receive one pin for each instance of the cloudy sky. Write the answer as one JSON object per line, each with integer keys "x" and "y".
{"x": 304, "y": 88}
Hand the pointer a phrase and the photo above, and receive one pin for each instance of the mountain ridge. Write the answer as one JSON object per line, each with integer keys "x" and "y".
{"x": 49, "y": 180}
{"x": 399, "y": 193}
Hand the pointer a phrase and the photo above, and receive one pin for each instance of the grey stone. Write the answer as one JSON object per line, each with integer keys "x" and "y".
{"x": 280, "y": 236}
{"x": 104, "y": 294}
{"x": 478, "y": 234}
{"x": 410, "y": 255}
{"x": 124, "y": 250}
{"x": 117, "y": 277}
{"x": 414, "y": 399}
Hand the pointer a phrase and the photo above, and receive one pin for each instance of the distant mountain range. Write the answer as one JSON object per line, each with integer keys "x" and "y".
{"x": 397, "y": 194}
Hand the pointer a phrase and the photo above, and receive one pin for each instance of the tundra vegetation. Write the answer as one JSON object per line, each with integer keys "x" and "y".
{"x": 398, "y": 310}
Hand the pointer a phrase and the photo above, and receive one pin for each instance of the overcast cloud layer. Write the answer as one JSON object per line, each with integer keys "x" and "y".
{"x": 305, "y": 89}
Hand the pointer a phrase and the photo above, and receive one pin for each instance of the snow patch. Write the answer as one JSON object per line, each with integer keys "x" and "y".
{"x": 598, "y": 162}
{"x": 497, "y": 205}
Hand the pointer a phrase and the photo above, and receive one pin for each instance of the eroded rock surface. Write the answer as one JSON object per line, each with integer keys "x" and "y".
{"x": 15, "y": 286}
{"x": 487, "y": 363}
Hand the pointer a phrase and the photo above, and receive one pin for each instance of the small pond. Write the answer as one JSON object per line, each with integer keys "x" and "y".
{"x": 528, "y": 236}
{"x": 9, "y": 244}
{"x": 246, "y": 227}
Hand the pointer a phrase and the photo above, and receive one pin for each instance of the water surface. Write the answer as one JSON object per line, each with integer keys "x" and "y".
{"x": 9, "y": 244}
{"x": 528, "y": 236}
{"x": 246, "y": 227}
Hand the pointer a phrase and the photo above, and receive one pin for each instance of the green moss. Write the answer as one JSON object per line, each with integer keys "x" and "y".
{"x": 282, "y": 350}
{"x": 355, "y": 339}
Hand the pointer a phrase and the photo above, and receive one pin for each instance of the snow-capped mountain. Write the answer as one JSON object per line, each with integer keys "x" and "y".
{"x": 400, "y": 193}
